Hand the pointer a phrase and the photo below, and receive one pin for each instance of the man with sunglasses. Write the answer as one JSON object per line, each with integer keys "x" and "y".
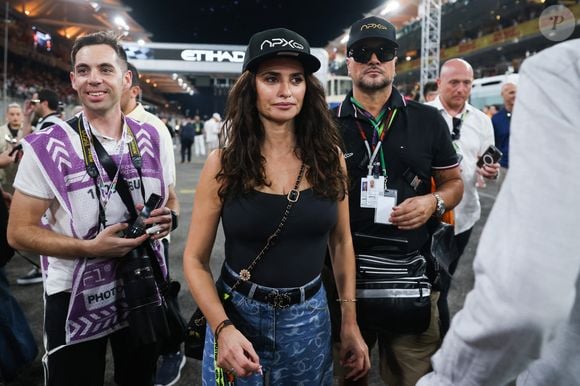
{"x": 472, "y": 133}
{"x": 43, "y": 104}
{"x": 399, "y": 145}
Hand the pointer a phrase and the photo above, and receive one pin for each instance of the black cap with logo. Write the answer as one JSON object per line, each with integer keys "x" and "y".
{"x": 372, "y": 27}
{"x": 279, "y": 42}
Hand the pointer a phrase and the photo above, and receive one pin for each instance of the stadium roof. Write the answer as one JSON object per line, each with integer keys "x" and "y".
{"x": 72, "y": 18}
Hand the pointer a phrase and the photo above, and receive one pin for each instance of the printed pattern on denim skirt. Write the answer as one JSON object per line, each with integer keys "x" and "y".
{"x": 294, "y": 344}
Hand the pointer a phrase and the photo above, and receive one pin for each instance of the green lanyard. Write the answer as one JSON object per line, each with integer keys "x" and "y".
{"x": 379, "y": 127}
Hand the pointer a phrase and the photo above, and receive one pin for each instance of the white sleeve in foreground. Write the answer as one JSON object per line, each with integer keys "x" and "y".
{"x": 527, "y": 264}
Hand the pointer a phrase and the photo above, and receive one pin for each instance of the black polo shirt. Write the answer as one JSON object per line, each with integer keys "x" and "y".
{"x": 417, "y": 142}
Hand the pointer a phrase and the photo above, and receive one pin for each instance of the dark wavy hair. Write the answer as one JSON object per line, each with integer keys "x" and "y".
{"x": 317, "y": 142}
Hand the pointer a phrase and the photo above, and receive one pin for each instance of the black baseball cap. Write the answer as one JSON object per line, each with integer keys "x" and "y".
{"x": 372, "y": 27}
{"x": 279, "y": 42}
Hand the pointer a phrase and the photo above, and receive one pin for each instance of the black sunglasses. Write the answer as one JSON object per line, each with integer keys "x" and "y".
{"x": 363, "y": 54}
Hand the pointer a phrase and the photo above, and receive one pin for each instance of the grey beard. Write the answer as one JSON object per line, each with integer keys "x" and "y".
{"x": 374, "y": 85}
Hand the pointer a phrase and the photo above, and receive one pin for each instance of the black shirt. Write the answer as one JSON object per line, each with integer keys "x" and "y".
{"x": 417, "y": 142}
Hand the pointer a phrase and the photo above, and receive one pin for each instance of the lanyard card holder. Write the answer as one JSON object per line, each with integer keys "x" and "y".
{"x": 371, "y": 188}
{"x": 385, "y": 203}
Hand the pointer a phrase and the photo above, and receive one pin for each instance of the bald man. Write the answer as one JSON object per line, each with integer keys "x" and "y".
{"x": 472, "y": 133}
{"x": 502, "y": 119}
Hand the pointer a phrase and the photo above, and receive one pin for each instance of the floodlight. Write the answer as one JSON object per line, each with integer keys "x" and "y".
{"x": 391, "y": 6}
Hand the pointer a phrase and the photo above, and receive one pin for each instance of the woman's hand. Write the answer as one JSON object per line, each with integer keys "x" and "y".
{"x": 354, "y": 353}
{"x": 236, "y": 354}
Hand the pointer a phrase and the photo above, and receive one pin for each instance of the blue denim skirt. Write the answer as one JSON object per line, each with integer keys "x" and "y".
{"x": 293, "y": 343}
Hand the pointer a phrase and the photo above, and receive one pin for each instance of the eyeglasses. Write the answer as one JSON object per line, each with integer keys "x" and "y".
{"x": 456, "y": 133}
{"x": 34, "y": 101}
{"x": 363, "y": 54}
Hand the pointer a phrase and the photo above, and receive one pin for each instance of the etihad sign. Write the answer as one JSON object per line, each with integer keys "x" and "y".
{"x": 212, "y": 56}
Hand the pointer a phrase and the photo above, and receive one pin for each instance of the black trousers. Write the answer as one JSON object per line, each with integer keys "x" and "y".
{"x": 84, "y": 363}
{"x": 461, "y": 241}
{"x": 169, "y": 349}
{"x": 186, "y": 144}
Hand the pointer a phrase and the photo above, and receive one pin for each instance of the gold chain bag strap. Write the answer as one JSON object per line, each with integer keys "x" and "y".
{"x": 195, "y": 337}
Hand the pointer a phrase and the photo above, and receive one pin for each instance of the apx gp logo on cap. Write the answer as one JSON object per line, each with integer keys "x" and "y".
{"x": 372, "y": 26}
{"x": 281, "y": 42}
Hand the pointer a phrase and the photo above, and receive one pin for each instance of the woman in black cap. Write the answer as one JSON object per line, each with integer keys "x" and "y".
{"x": 279, "y": 187}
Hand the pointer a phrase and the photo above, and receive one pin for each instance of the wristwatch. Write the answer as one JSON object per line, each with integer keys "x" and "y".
{"x": 173, "y": 220}
{"x": 440, "y": 207}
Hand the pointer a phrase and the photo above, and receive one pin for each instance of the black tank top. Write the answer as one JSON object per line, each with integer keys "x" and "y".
{"x": 297, "y": 255}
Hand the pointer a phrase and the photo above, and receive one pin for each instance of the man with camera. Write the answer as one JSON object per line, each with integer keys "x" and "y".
{"x": 392, "y": 149}
{"x": 10, "y": 134}
{"x": 472, "y": 134}
{"x": 79, "y": 187}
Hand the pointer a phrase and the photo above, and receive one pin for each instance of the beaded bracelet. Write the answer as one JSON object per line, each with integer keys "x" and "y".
{"x": 346, "y": 300}
{"x": 223, "y": 324}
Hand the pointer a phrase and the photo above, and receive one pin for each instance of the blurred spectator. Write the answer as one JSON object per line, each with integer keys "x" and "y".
{"x": 430, "y": 91}
{"x": 212, "y": 128}
{"x": 199, "y": 140}
{"x": 490, "y": 111}
{"x": 186, "y": 135}
{"x": 501, "y": 121}
{"x": 45, "y": 107}
{"x": 17, "y": 345}
{"x": 10, "y": 134}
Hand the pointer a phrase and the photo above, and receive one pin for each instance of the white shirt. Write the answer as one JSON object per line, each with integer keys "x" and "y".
{"x": 476, "y": 136}
{"x": 32, "y": 181}
{"x": 526, "y": 300}
{"x": 140, "y": 114}
{"x": 52, "y": 119}
{"x": 212, "y": 129}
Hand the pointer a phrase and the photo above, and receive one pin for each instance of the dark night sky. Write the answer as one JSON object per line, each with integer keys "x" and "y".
{"x": 234, "y": 21}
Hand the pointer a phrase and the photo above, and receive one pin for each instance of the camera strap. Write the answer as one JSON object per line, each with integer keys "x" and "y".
{"x": 108, "y": 165}
{"x": 122, "y": 187}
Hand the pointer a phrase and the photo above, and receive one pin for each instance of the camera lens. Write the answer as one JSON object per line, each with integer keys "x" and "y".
{"x": 488, "y": 159}
{"x": 146, "y": 316}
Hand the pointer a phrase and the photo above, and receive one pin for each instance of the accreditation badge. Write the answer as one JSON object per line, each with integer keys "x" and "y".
{"x": 385, "y": 203}
{"x": 364, "y": 192}
{"x": 370, "y": 189}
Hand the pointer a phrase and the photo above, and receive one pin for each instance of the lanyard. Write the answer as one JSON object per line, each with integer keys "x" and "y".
{"x": 105, "y": 193}
{"x": 95, "y": 168}
{"x": 380, "y": 131}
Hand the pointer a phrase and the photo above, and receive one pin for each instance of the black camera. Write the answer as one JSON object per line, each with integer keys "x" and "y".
{"x": 490, "y": 156}
{"x": 138, "y": 227}
{"x": 146, "y": 311}
{"x": 17, "y": 146}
